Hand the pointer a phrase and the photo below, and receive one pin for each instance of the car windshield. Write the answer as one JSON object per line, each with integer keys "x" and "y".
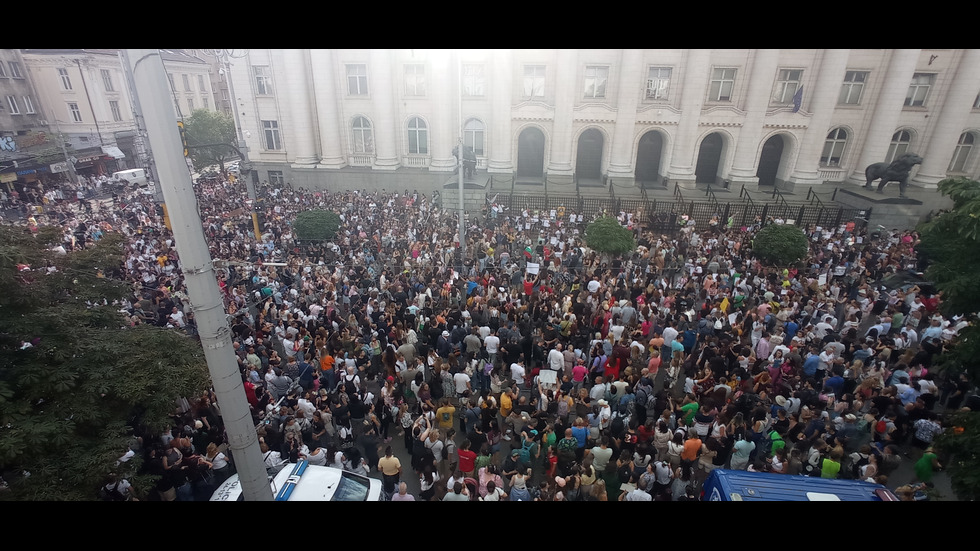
{"x": 351, "y": 488}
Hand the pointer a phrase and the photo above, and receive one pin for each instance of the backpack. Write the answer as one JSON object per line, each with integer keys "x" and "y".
{"x": 111, "y": 494}
{"x": 562, "y": 407}
{"x": 525, "y": 452}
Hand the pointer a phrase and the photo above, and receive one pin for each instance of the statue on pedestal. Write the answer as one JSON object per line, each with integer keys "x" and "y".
{"x": 897, "y": 171}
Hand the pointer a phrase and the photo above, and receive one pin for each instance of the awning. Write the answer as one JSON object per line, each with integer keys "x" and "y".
{"x": 113, "y": 152}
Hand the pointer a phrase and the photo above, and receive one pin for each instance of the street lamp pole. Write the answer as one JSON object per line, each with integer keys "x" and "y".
{"x": 224, "y": 57}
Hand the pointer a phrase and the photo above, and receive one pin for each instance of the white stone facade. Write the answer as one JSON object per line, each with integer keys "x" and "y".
{"x": 630, "y": 115}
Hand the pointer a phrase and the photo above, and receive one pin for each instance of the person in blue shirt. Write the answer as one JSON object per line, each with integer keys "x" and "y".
{"x": 811, "y": 363}
{"x": 581, "y": 433}
{"x": 790, "y": 328}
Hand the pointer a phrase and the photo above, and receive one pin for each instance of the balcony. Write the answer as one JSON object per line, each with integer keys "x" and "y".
{"x": 415, "y": 161}
{"x": 831, "y": 174}
{"x": 362, "y": 159}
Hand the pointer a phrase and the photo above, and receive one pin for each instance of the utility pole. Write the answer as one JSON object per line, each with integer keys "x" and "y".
{"x": 459, "y": 164}
{"x": 150, "y": 82}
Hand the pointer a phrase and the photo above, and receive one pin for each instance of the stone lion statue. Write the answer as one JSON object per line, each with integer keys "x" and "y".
{"x": 897, "y": 171}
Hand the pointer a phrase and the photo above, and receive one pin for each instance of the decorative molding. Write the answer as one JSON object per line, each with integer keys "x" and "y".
{"x": 657, "y": 122}
{"x": 594, "y": 120}
{"x": 784, "y": 125}
{"x": 533, "y": 103}
{"x": 533, "y": 119}
{"x": 591, "y": 105}
{"x": 660, "y": 107}
{"x": 728, "y": 124}
{"x": 707, "y": 110}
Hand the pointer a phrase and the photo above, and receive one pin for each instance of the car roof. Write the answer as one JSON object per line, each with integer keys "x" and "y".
{"x": 305, "y": 482}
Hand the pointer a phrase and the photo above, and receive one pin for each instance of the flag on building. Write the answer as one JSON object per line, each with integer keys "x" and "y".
{"x": 798, "y": 99}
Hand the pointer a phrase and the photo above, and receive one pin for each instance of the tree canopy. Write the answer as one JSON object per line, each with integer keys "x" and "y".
{"x": 607, "y": 235}
{"x": 316, "y": 225}
{"x": 75, "y": 379}
{"x": 780, "y": 245}
{"x": 205, "y": 127}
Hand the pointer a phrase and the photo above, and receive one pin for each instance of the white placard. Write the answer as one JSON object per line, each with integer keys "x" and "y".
{"x": 822, "y": 280}
{"x": 548, "y": 379}
{"x": 533, "y": 267}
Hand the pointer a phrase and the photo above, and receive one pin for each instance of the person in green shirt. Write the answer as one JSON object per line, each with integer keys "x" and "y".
{"x": 927, "y": 465}
{"x": 690, "y": 409}
{"x": 830, "y": 466}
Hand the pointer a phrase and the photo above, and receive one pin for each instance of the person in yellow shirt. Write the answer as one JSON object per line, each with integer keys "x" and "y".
{"x": 445, "y": 415}
{"x": 506, "y": 403}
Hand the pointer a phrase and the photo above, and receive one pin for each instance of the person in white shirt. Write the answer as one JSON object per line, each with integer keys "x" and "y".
{"x": 556, "y": 360}
{"x": 462, "y": 381}
{"x": 492, "y": 344}
{"x": 517, "y": 373}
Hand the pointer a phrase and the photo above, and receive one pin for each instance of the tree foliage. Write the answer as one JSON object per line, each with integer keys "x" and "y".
{"x": 316, "y": 225}
{"x": 74, "y": 378}
{"x": 607, "y": 235}
{"x": 780, "y": 245}
{"x": 210, "y": 127}
{"x": 961, "y": 441}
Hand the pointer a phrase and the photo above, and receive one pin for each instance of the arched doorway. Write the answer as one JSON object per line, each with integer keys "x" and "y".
{"x": 709, "y": 157}
{"x": 772, "y": 152}
{"x": 648, "y": 155}
{"x": 588, "y": 161}
{"x": 530, "y": 153}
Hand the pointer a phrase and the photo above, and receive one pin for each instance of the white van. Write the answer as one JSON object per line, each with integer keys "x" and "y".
{"x": 134, "y": 176}
{"x": 305, "y": 482}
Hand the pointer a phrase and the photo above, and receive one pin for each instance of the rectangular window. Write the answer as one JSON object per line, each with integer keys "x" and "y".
{"x": 851, "y": 90}
{"x": 919, "y": 89}
{"x": 787, "y": 83}
{"x": 200, "y": 84}
{"x": 15, "y": 69}
{"x": 534, "y": 81}
{"x": 357, "y": 79}
{"x": 190, "y": 105}
{"x": 272, "y": 140}
{"x": 107, "y": 80}
{"x": 722, "y": 84}
{"x": 29, "y": 105}
{"x": 276, "y": 178}
{"x": 224, "y": 94}
{"x": 187, "y": 82}
{"x": 65, "y": 79}
{"x": 415, "y": 79}
{"x": 595, "y": 81}
{"x": 976, "y": 102}
{"x": 474, "y": 80}
{"x": 263, "y": 80}
{"x": 76, "y": 115}
{"x": 3, "y": 72}
{"x": 116, "y": 114}
{"x": 658, "y": 82}
{"x": 204, "y": 100}
{"x": 12, "y": 103}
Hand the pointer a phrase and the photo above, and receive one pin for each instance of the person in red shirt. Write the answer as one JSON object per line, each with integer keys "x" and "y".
{"x": 467, "y": 459}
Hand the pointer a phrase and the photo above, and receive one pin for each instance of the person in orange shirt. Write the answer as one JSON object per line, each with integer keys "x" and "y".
{"x": 692, "y": 448}
{"x": 327, "y": 371}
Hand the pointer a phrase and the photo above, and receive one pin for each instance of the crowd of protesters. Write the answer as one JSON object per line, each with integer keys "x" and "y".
{"x": 534, "y": 368}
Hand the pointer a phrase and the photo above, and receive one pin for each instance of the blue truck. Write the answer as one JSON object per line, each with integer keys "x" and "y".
{"x": 731, "y": 485}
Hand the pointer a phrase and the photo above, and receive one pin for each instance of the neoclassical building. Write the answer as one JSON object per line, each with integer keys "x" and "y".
{"x": 748, "y": 116}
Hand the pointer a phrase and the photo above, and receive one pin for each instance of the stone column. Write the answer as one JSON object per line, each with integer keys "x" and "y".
{"x": 568, "y": 88}
{"x": 888, "y": 109}
{"x": 500, "y": 128}
{"x": 955, "y": 112}
{"x": 747, "y": 146}
{"x": 443, "y": 131}
{"x": 386, "y": 128}
{"x": 327, "y": 108}
{"x": 631, "y": 79}
{"x": 697, "y": 67}
{"x": 823, "y": 99}
{"x": 298, "y": 136}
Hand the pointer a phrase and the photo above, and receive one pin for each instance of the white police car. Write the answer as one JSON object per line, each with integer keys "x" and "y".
{"x": 305, "y": 482}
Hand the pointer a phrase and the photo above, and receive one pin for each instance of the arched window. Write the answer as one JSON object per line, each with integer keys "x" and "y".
{"x": 363, "y": 140}
{"x": 473, "y": 136}
{"x": 961, "y": 156}
{"x": 418, "y": 137}
{"x": 899, "y": 146}
{"x": 833, "y": 148}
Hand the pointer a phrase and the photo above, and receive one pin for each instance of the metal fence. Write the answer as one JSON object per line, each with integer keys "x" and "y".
{"x": 662, "y": 216}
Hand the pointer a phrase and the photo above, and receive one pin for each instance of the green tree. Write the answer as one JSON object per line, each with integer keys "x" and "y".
{"x": 316, "y": 225}
{"x": 74, "y": 378}
{"x": 961, "y": 441}
{"x": 206, "y": 127}
{"x": 950, "y": 243}
{"x": 780, "y": 245}
{"x": 608, "y": 236}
